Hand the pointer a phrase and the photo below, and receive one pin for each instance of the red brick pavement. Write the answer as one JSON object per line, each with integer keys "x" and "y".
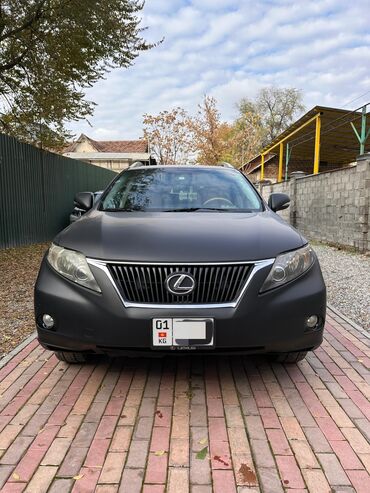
{"x": 189, "y": 424}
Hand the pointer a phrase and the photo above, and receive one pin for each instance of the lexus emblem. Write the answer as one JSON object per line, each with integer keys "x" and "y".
{"x": 180, "y": 283}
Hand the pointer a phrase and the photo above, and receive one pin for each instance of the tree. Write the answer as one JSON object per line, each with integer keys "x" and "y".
{"x": 170, "y": 136}
{"x": 51, "y": 51}
{"x": 211, "y": 135}
{"x": 276, "y": 108}
{"x": 245, "y": 138}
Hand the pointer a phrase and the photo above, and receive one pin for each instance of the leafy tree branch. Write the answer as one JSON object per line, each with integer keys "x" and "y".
{"x": 51, "y": 51}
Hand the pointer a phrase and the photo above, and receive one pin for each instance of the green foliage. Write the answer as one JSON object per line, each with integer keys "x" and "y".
{"x": 51, "y": 51}
{"x": 202, "y": 454}
{"x": 245, "y": 138}
{"x": 276, "y": 108}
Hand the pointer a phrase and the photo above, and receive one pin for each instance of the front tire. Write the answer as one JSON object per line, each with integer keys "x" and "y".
{"x": 290, "y": 357}
{"x": 71, "y": 357}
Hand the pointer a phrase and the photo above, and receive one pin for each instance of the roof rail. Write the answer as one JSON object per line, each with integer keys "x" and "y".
{"x": 139, "y": 164}
{"x": 225, "y": 164}
{"x": 136, "y": 164}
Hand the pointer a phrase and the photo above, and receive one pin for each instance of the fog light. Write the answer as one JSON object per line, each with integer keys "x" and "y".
{"x": 48, "y": 321}
{"x": 312, "y": 321}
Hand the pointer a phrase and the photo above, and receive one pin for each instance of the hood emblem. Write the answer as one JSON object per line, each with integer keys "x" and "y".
{"x": 180, "y": 283}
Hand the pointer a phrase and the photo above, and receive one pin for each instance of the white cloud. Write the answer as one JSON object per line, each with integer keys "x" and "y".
{"x": 230, "y": 49}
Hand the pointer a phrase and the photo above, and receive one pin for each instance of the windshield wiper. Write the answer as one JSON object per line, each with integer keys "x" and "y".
{"x": 185, "y": 209}
{"x": 192, "y": 209}
{"x": 122, "y": 210}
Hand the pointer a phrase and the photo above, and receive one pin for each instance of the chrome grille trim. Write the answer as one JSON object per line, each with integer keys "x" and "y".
{"x": 255, "y": 266}
{"x": 146, "y": 284}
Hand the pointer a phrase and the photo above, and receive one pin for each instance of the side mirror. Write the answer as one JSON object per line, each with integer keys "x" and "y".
{"x": 84, "y": 200}
{"x": 278, "y": 201}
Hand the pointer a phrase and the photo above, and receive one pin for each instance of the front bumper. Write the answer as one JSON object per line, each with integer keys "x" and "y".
{"x": 271, "y": 322}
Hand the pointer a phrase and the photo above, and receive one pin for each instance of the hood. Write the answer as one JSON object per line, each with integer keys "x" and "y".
{"x": 180, "y": 236}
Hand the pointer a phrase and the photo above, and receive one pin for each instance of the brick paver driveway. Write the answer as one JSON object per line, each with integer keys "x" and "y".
{"x": 183, "y": 424}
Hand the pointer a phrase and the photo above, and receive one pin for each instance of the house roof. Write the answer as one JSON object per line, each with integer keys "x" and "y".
{"x": 107, "y": 156}
{"x": 113, "y": 146}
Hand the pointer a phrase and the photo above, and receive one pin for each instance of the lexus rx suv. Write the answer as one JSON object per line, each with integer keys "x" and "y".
{"x": 180, "y": 258}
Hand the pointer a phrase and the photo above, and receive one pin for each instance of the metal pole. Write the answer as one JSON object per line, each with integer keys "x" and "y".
{"x": 316, "y": 162}
{"x": 268, "y": 149}
{"x": 262, "y": 167}
{"x": 363, "y": 130}
{"x": 364, "y": 135}
{"x": 281, "y": 155}
{"x": 287, "y": 157}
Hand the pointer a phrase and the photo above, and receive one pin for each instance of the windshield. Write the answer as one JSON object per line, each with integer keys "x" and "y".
{"x": 180, "y": 190}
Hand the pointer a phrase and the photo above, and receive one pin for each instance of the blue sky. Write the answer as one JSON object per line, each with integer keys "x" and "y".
{"x": 229, "y": 49}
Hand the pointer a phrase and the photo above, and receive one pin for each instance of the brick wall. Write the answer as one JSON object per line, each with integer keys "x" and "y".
{"x": 331, "y": 207}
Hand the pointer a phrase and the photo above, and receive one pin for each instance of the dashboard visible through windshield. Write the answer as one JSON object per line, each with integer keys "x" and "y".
{"x": 175, "y": 189}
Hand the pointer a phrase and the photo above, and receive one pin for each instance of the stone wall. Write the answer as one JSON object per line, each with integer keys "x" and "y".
{"x": 331, "y": 207}
{"x": 283, "y": 187}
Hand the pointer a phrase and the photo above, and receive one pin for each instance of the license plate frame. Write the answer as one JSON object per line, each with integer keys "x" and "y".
{"x": 170, "y": 333}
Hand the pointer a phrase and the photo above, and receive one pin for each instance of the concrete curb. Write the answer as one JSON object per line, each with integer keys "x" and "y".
{"x": 349, "y": 321}
{"x": 17, "y": 349}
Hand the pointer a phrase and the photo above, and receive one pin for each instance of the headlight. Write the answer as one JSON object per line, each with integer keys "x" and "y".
{"x": 289, "y": 266}
{"x": 73, "y": 266}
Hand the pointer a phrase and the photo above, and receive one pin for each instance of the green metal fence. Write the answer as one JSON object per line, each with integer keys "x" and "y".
{"x": 37, "y": 189}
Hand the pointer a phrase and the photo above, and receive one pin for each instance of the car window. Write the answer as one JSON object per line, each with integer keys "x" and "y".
{"x": 176, "y": 189}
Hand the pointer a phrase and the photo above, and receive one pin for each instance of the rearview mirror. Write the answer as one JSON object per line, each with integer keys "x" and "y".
{"x": 84, "y": 200}
{"x": 278, "y": 201}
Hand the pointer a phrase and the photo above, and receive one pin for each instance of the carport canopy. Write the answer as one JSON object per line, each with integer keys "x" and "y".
{"x": 332, "y": 136}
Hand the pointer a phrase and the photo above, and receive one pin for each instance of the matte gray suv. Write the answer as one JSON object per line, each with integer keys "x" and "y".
{"x": 180, "y": 258}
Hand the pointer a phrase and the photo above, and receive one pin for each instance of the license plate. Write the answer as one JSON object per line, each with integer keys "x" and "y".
{"x": 182, "y": 332}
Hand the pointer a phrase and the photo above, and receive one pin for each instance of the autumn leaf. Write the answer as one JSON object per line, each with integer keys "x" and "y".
{"x": 203, "y": 441}
{"x": 15, "y": 476}
{"x": 80, "y": 476}
{"x": 202, "y": 454}
{"x": 159, "y": 452}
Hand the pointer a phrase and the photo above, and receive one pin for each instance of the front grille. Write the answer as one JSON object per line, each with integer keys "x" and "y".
{"x": 215, "y": 284}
